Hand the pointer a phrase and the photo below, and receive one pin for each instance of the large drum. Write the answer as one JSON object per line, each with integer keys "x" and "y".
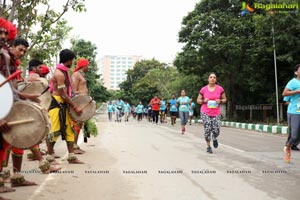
{"x": 38, "y": 88}
{"x": 88, "y": 106}
{"x": 6, "y": 98}
{"x": 29, "y": 125}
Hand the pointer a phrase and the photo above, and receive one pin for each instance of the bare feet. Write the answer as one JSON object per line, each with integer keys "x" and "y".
{"x": 1, "y": 198}
{"x": 75, "y": 161}
{"x": 55, "y": 156}
{"x": 18, "y": 180}
{"x": 5, "y": 189}
{"x": 24, "y": 183}
{"x": 78, "y": 151}
{"x": 52, "y": 169}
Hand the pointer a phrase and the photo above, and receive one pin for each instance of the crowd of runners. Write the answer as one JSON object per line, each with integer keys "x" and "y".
{"x": 157, "y": 109}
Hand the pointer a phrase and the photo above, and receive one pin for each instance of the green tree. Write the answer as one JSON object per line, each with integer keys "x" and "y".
{"x": 133, "y": 90}
{"x": 42, "y": 25}
{"x": 239, "y": 49}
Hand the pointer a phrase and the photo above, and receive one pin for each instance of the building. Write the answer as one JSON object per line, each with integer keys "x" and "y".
{"x": 113, "y": 69}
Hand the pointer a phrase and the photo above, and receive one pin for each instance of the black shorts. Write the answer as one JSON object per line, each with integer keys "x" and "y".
{"x": 173, "y": 114}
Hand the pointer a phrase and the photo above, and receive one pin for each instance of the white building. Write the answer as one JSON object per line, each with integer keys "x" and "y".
{"x": 113, "y": 69}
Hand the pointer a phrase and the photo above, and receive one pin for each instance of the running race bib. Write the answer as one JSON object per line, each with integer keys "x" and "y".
{"x": 212, "y": 104}
{"x": 298, "y": 105}
{"x": 184, "y": 107}
{"x": 173, "y": 107}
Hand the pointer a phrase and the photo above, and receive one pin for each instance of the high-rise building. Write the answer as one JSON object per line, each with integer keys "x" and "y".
{"x": 113, "y": 69}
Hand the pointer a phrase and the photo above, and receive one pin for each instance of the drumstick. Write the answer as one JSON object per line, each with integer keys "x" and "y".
{"x": 12, "y": 76}
{"x": 45, "y": 90}
{"x": 20, "y": 122}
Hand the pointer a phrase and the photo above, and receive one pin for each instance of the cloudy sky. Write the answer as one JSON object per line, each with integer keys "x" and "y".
{"x": 148, "y": 28}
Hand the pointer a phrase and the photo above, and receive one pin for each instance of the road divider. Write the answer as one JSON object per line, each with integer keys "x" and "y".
{"x": 276, "y": 129}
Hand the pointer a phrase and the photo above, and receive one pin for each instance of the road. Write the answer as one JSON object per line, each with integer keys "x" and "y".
{"x": 144, "y": 161}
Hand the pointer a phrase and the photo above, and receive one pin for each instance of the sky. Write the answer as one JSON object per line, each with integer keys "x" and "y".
{"x": 147, "y": 28}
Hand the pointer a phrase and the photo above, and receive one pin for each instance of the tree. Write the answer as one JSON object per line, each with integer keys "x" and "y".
{"x": 239, "y": 49}
{"x": 132, "y": 89}
{"x": 42, "y": 25}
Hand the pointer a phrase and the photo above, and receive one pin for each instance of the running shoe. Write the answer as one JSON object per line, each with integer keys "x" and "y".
{"x": 287, "y": 154}
{"x": 295, "y": 148}
{"x": 216, "y": 144}
{"x": 183, "y": 130}
{"x": 209, "y": 150}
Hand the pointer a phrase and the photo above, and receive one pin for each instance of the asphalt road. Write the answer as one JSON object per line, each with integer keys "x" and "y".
{"x": 144, "y": 161}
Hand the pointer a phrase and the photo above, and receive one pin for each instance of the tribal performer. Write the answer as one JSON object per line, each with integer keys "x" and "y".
{"x": 79, "y": 86}
{"x": 60, "y": 87}
{"x": 8, "y": 31}
{"x": 45, "y": 165}
{"x": 16, "y": 52}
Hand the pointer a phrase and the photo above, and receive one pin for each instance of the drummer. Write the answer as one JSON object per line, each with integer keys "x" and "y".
{"x": 60, "y": 87}
{"x": 79, "y": 86}
{"x": 16, "y": 52}
{"x": 44, "y": 71}
{"x": 44, "y": 165}
{"x": 7, "y": 28}
{"x": 34, "y": 70}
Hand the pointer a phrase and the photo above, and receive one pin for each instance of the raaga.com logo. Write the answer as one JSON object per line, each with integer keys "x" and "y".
{"x": 269, "y": 8}
{"x": 246, "y": 9}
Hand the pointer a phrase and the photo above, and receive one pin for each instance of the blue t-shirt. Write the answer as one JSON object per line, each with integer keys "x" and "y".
{"x": 287, "y": 98}
{"x": 184, "y": 103}
{"x": 140, "y": 108}
{"x": 110, "y": 108}
{"x": 294, "y": 105}
{"x": 192, "y": 107}
{"x": 173, "y": 107}
{"x": 163, "y": 105}
{"x": 127, "y": 107}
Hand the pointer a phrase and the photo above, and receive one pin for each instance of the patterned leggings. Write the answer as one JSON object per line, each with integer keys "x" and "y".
{"x": 211, "y": 126}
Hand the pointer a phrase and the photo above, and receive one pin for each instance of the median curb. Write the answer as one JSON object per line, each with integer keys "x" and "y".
{"x": 256, "y": 127}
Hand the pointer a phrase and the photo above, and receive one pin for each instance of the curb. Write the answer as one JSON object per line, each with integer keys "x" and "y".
{"x": 256, "y": 127}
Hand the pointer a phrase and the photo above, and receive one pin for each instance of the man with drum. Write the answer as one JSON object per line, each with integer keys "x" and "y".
{"x": 8, "y": 29}
{"x": 61, "y": 122}
{"x": 45, "y": 166}
{"x": 79, "y": 87}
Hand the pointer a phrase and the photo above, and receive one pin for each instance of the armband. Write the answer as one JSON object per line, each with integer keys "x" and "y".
{"x": 61, "y": 86}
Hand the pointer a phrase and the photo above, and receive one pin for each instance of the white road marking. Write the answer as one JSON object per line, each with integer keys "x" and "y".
{"x": 232, "y": 148}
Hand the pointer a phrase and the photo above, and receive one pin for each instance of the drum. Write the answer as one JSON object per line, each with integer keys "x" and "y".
{"x": 6, "y": 98}
{"x": 88, "y": 106}
{"x": 38, "y": 88}
{"x": 21, "y": 85}
{"x": 29, "y": 125}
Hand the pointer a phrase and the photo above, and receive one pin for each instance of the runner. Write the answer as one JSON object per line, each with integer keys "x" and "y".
{"x": 211, "y": 96}
{"x": 287, "y": 100}
{"x": 183, "y": 102}
{"x": 155, "y": 103}
{"x": 292, "y": 89}
{"x": 163, "y": 107}
{"x": 149, "y": 113}
{"x": 110, "y": 110}
{"x": 173, "y": 107}
{"x": 119, "y": 104}
{"x": 126, "y": 110}
{"x": 191, "y": 111}
{"x": 140, "y": 111}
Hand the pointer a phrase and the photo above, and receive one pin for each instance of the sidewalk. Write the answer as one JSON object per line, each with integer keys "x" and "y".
{"x": 257, "y": 127}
